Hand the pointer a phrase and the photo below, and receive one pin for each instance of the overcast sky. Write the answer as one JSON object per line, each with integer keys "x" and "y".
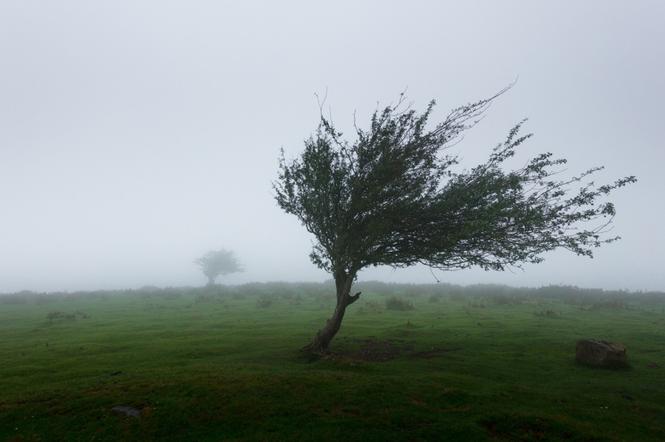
{"x": 136, "y": 135}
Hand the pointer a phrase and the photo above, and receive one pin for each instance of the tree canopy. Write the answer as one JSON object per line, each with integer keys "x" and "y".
{"x": 216, "y": 263}
{"x": 395, "y": 196}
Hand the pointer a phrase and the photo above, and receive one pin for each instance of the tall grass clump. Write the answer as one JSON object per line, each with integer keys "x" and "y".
{"x": 398, "y": 304}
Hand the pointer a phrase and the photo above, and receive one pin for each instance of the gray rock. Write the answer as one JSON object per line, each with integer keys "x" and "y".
{"x": 126, "y": 410}
{"x": 597, "y": 353}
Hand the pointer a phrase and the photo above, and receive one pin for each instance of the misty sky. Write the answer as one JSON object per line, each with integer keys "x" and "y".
{"x": 136, "y": 135}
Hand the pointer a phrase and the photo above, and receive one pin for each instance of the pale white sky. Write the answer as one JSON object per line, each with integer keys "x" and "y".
{"x": 134, "y": 136}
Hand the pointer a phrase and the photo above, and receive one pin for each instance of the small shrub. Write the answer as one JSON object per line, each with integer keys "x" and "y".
{"x": 264, "y": 301}
{"x": 295, "y": 300}
{"x": 204, "y": 298}
{"x": 398, "y": 304}
{"x": 609, "y": 305}
{"x": 435, "y": 297}
{"x": 62, "y": 316}
{"x": 239, "y": 295}
{"x": 547, "y": 314}
{"x": 370, "y": 307}
{"x": 506, "y": 300}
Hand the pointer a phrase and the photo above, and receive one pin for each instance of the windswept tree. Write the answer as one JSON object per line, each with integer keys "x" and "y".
{"x": 216, "y": 263}
{"x": 394, "y": 197}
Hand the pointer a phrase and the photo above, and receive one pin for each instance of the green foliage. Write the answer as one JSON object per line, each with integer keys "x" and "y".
{"x": 398, "y": 304}
{"x": 394, "y": 197}
{"x": 547, "y": 314}
{"x": 218, "y": 262}
{"x": 264, "y": 301}
{"x": 62, "y": 316}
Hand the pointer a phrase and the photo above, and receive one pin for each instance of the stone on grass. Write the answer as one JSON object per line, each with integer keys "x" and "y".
{"x": 597, "y": 353}
{"x": 126, "y": 410}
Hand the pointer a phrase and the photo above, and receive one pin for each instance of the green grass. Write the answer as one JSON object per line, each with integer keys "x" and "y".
{"x": 224, "y": 365}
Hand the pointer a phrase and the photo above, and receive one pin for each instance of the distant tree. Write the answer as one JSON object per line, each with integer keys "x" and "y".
{"x": 393, "y": 197}
{"x": 218, "y": 262}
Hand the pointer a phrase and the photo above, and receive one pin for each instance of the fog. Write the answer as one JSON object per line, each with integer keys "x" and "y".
{"x": 135, "y": 136}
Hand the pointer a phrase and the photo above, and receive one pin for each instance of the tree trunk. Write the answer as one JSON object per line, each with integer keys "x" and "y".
{"x": 324, "y": 336}
{"x": 211, "y": 281}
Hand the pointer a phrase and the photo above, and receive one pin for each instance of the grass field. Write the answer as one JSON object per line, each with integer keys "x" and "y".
{"x": 223, "y": 364}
